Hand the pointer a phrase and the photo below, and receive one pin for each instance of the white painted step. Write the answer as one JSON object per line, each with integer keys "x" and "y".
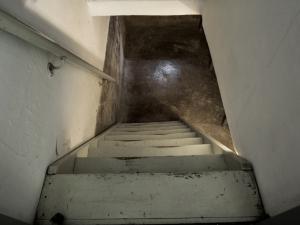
{"x": 203, "y": 149}
{"x": 136, "y": 137}
{"x": 164, "y": 164}
{"x": 154, "y": 143}
{"x": 146, "y": 128}
{"x": 145, "y": 198}
{"x": 156, "y": 131}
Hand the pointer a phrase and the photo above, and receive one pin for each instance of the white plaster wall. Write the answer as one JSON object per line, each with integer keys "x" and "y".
{"x": 41, "y": 118}
{"x": 255, "y": 46}
{"x": 68, "y": 22}
{"x": 144, "y": 7}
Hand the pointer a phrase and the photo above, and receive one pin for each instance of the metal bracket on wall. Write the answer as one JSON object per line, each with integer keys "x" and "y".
{"x": 15, "y": 27}
{"x": 52, "y": 66}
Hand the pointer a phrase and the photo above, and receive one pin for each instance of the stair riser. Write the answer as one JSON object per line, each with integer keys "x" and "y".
{"x": 176, "y": 165}
{"x": 152, "y": 143}
{"x": 150, "y": 128}
{"x": 167, "y": 131}
{"x": 108, "y": 151}
{"x": 167, "y": 123}
{"x": 136, "y": 137}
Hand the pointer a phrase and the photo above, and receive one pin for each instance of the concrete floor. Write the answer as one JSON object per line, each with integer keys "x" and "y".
{"x": 168, "y": 75}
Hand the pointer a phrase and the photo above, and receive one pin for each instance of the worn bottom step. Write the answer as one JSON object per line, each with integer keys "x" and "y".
{"x": 218, "y": 196}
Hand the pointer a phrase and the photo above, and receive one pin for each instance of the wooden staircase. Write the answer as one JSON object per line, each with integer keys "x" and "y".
{"x": 150, "y": 173}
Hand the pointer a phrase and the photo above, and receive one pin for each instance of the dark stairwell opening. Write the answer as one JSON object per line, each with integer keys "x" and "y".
{"x": 168, "y": 75}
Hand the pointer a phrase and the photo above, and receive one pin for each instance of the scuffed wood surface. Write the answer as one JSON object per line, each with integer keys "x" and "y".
{"x": 226, "y": 196}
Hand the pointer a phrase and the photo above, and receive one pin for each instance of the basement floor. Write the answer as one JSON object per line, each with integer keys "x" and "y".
{"x": 168, "y": 75}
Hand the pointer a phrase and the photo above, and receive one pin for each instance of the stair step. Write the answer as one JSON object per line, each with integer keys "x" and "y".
{"x": 149, "y": 125}
{"x": 171, "y": 127}
{"x": 141, "y": 198}
{"x": 164, "y": 164}
{"x": 104, "y": 151}
{"x": 136, "y": 137}
{"x": 153, "y": 124}
{"x": 157, "y": 131}
{"x": 153, "y": 143}
{"x": 150, "y": 173}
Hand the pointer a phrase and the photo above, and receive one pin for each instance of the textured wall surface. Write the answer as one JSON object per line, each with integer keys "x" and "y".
{"x": 110, "y": 98}
{"x": 255, "y": 50}
{"x": 41, "y": 119}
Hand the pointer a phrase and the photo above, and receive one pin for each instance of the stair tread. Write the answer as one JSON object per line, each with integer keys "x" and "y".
{"x": 215, "y": 196}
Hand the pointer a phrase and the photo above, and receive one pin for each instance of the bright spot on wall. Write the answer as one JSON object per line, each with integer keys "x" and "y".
{"x": 166, "y": 71}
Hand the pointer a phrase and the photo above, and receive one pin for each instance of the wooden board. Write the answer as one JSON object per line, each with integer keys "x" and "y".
{"x": 164, "y": 123}
{"x": 153, "y": 143}
{"x": 156, "y": 131}
{"x": 145, "y": 128}
{"x": 228, "y": 196}
{"x": 136, "y": 137}
{"x": 103, "y": 151}
{"x": 164, "y": 164}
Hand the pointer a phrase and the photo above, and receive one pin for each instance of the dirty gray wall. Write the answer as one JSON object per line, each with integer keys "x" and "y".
{"x": 255, "y": 49}
{"x": 114, "y": 65}
{"x": 10, "y": 221}
{"x": 41, "y": 118}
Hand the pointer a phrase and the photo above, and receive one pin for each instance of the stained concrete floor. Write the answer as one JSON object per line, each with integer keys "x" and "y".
{"x": 168, "y": 75}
